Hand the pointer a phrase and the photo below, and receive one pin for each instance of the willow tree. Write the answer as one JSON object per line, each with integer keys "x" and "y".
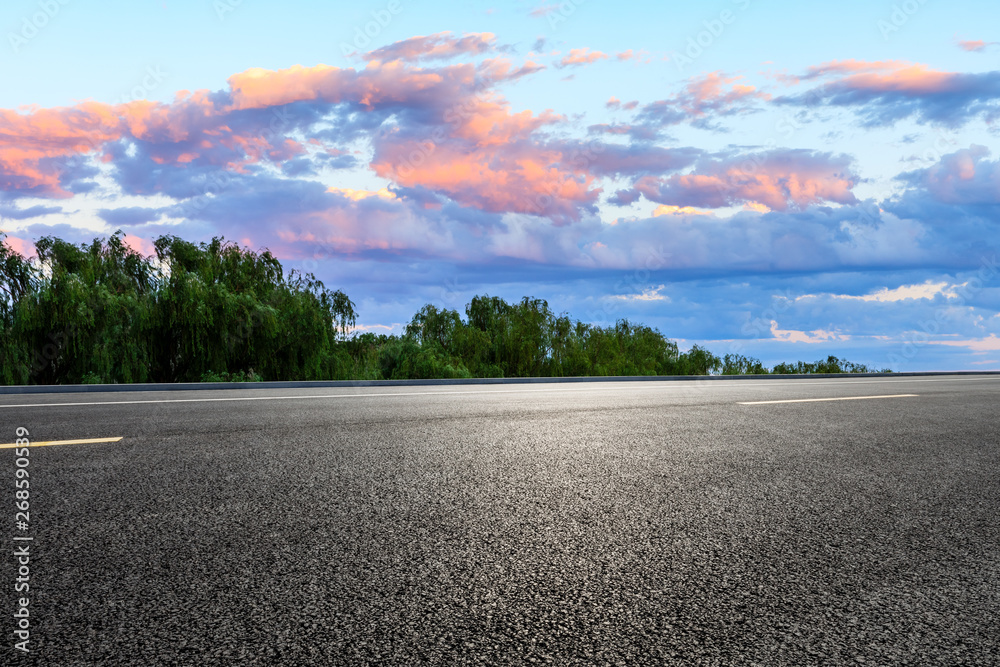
{"x": 104, "y": 312}
{"x": 226, "y": 309}
{"x": 91, "y": 313}
{"x": 18, "y": 278}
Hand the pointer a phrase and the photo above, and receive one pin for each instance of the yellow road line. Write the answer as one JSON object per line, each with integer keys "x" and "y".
{"x": 818, "y": 400}
{"x": 49, "y": 443}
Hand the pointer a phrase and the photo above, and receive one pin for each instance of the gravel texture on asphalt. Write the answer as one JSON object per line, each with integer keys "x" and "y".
{"x": 618, "y": 524}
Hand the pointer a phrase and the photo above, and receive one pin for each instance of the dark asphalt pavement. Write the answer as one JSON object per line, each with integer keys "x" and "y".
{"x": 612, "y": 523}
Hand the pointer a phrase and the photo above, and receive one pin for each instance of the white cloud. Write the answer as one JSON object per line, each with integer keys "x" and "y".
{"x": 989, "y": 344}
{"x": 668, "y": 209}
{"x": 651, "y": 294}
{"x": 927, "y": 290}
{"x": 815, "y": 336}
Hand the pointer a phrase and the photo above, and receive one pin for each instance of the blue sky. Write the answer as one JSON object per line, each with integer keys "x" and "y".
{"x": 778, "y": 179}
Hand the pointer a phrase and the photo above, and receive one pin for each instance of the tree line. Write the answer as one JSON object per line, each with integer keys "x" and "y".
{"x": 192, "y": 312}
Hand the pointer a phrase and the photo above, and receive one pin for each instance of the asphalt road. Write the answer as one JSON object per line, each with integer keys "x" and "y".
{"x": 612, "y": 523}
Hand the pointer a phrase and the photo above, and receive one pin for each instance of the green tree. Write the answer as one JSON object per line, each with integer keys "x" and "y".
{"x": 698, "y": 361}
{"x": 737, "y": 364}
{"x": 103, "y": 312}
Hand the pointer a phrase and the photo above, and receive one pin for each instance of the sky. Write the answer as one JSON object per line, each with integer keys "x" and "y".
{"x": 777, "y": 179}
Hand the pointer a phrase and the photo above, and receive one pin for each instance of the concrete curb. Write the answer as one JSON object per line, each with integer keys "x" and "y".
{"x": 317, "y": 384}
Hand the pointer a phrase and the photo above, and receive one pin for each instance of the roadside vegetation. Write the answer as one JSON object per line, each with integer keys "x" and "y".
{"x": 216, "y": 312}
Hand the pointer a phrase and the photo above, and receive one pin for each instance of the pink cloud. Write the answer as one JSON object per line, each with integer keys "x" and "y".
{"x": 973, "y": 45}
{"x": 438, "y": 133}
{"x": 882, "y": 75}
{"x": 20, "y": 246}
{"x": 29, "y": 141}
{"x": 258, "y": 88}
{"x": 205, "y": 128}
{"x": 638, "y": 56}
{"x": 474, "y": 149}
{"x": 615, "y": 103}
{"x": 489, "y": 161}
{"x": 38, "y": 147}
{"x": 847, "y": 67}
{"x": 778, "y": 180}
{"x": 578, "y": 57}
{"x": 716, "y": 91}
{"x": 377, "y": 85}
{"x": 140, "y": 245}
{"x": 965, "y": 177}
{"x": 702, "y": 100}
{"x": 439, "y": 46}
{"x": 355, "y": 225}
{"x": 989, "y": 344}
{"x": 900, "y": 77}
{"x": 887, "y": 91}
{"x": 483, "y": 154}
{"x": 543, "y": 10}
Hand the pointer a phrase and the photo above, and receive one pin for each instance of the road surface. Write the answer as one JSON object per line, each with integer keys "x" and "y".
{"x": 605, "y": 523}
